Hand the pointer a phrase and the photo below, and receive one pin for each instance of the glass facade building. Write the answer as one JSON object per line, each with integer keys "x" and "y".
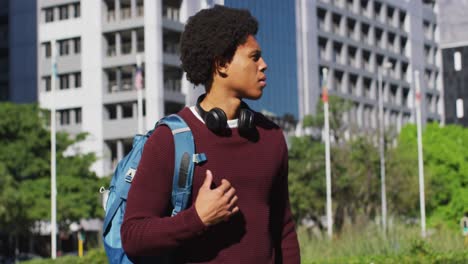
{"x": 277, "y": 37}
{"x": 18, "y": 49}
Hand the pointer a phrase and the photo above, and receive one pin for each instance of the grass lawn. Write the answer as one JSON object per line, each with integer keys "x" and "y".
{"x": 402, "y": 244}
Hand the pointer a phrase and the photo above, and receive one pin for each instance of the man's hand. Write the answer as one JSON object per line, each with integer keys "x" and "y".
{"x": 215, "y": 205}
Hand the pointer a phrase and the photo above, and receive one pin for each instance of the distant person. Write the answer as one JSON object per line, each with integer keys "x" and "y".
{"x": 240, "y": 211}
{"x": 464, "y": 226}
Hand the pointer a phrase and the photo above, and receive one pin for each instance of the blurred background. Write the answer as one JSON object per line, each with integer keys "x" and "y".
{"x": 382, "y": 69}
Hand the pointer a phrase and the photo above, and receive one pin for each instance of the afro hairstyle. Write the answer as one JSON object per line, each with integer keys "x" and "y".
{"x": 211, "y": 38}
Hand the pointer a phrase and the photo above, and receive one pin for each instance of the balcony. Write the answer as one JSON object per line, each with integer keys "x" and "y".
{"x": 124, "y": 14}
{"x": 121, "y": 47}
{"x": 140, "y": 11}
{"x": 173, "y": 85}
{"x": 125, "y": 86}
{"x": 171, "y": 13}
{"x": 110, "y": 17}
{"x": 126, "y": 48}
{"x": 111, "y": 51}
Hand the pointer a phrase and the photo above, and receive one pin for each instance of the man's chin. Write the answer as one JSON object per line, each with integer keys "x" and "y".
{"x": 254, "y": 96}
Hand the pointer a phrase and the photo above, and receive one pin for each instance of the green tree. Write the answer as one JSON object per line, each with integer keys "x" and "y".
{"x": 307, "y": 178}
{"x": 352, "y": 163}
{"x": 13, "y": 213}
{"x": 446, "y": 171}
{"x": 25, "y": 172}
{"x": 337, "y": 107}
{"x": 24, "y": 141}
{"x": 354, "y": 170}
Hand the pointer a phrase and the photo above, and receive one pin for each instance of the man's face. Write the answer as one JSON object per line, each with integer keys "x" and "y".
{"x": 246, "y": 72}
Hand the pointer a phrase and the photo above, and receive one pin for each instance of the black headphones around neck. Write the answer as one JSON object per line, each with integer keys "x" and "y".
{"x": 216, "y": 119}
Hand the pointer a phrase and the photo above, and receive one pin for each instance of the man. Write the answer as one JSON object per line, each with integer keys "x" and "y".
{"x": 240, "y": 211}
{"x": 464, "y": 227}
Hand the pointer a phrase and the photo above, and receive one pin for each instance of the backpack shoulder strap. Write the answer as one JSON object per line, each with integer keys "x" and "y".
{"x": 185, "y": 160}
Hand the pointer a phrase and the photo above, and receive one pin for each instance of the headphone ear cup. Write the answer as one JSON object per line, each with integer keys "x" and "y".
{"x": 246, "y": 120}
{"x": 216, "y": 120}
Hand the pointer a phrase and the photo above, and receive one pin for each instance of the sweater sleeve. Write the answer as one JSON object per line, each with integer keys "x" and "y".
{"x": 147, "y": 229}
{"x": 285, "y": 236}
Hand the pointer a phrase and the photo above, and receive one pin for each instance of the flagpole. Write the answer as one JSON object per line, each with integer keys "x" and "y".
{"x": 53, "y": 187}
{"x": 139, "y": 88}
{"x": 305, "y": 57}
{"x": 420, "y": 155}
{"x": 327, "y": 152}
{"x": 380, "y": 93}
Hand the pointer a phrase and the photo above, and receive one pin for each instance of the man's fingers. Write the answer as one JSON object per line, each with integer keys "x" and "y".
{"x": 208, "y": 180}
{"x": 233, "y": 202}
{"x": 231, "y": 192}
{"x": 235, "y": 210}
{"x": 231, "y": 212}
{"x": 225, "y": 186}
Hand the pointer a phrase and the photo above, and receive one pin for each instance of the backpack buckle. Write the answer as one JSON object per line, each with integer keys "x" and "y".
{"x": 130, "y": 174}
{"x": 199, "y": 158}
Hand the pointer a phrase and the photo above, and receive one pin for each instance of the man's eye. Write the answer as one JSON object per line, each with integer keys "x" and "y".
{"x": 256, "y": 57}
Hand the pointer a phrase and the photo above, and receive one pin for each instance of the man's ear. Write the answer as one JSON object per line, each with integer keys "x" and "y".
{"x": 221, "y": 68}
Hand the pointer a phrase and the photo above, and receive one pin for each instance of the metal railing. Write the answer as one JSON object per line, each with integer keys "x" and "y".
{"x": 171, "y": 13}
{"x": 125, "y": 13}
{"x": 173, "y": 85}
{"x": 126, "y": 48}
{"x": 125, "y": 85}
{"x": 111, "y": 15}
{"x": 141, "y": 46}
{"x": 111, "y": 51}
{"x": 113, "y": 87}
{"x": 140, "y": 10}
{"x": 172, "y": 48}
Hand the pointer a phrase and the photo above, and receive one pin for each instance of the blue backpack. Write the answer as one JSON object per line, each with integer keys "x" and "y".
{"x": 185, "y": 159}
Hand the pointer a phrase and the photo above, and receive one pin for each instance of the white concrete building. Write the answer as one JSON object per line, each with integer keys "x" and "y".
{"x": 97, "y": 42}
{"x": 354, "y": 39}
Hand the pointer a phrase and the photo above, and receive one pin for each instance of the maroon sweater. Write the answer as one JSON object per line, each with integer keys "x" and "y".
{"x": 257, "y": 167}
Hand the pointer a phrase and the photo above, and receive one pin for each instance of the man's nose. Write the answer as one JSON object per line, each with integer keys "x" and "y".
{"x": 263, "y": 65}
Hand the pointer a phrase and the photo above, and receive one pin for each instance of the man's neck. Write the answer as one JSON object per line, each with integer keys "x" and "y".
{"x": 227, "y": 102}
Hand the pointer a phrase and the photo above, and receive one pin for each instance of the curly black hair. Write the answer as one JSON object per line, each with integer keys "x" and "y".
{"x": 211, "y": 38}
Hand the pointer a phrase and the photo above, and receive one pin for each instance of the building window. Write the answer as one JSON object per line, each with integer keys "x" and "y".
{"x": 127, "y": 110}
{"x": 64, "y": 117}
{"x": 111, "y": 111}
{"x": 64, "y": 82}
{"x": 63, "y": 12}
{"x": 77, "y": 79}
{"x": 47, "y": 49}
{"x": 427, "y": 53}
{"x": 140, "y": 8}
{"x": 76, "y": 10}
{"x": 460, "y": 112}
{"x": 77, "y": 44}
{"x": 47, "y": 83}
{"x": 63, "y": 47}
{"x": 49, "y": 14}
{"x": 78, "y": 115}
{"x": 457, "y": 60}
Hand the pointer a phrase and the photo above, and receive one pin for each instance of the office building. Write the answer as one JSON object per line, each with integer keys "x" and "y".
{"x": 356, "y": 40}
{"x": 18, "y": 51}
{"x": 277, "y": 38}
{"x": 454, "y": 45}
{"x": 97, "y": 43}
